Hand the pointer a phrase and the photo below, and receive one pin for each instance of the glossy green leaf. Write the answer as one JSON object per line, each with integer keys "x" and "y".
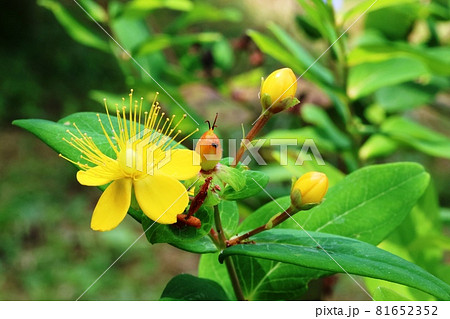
{"x": 260, "y": 279}
{"x": 417, "y": 136}
{"x": 369, "y": 203}
{"x": 356, "y": 257}
{"x": 366, "y": 78}
{"x": 182, "y": 236}
{"x": 189, "y": 288}
{"x": 254, "y": 180}
{"x": 234, "y": 177}
{"x": 352, "y": 207}
{"x": 263, "y": 279}
{"x": 202, "y": 245}
{"x": 418, "y": 239}
{"x": 210, "y": 268}
{"x": 52, "y": 133}
{"x": 76, "y": 30}
{"x": 229, "y": 215}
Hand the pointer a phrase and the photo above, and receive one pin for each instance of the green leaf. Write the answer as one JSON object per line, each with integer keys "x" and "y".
{"x": 275, "y": 50}
{"x": 356, "y": 257}
{"x": 187, "y": 287}
{"x": 334, "y": 175}
{"x": 52, "y": 133}
{"x": 254, "y": 180}
{"x": 419, "y": 240}
{"x": 163, "y": 41}
{"x": 369, "y": 203}
{"x": 154, "y": 63}
{"x": 202, "y": 245}
{"x": 302, "y": 55}
{"x": 287, "y": 136}
{"x": 143, "y": 7}
{"x": 377, "y": 146}
{"x": 417, "y": 136}
{"x": 231, "y": 176}
{"x": 229, "y": 215}
{"x": 366, "y": 78}
{"x": 76, "y": 30}
{"x": 202, "y": 13}
{"x": 321, "y": 17}
{"x": 403, "y": 97}
{"x": 260, "y": 279}
{"x": 210, "y": 268}
{"x": 386, "y": 294}
{"x": 352, "y": 207}
{"x": 317, "y": 116}
{"x": 223, "y": 54}
{"x": 263, "y": 214}
{"x": 435, "y": 59}
{"x": 95, "y": 10}
{"x": 263, "y": 279}
{"x": 184, "y": 237}
{"x": 370, "y": 5}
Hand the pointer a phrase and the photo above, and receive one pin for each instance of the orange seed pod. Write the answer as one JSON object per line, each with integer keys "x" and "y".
{"x": 209, "y": 148}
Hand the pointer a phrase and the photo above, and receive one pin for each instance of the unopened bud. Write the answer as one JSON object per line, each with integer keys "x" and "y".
{"x": 278, "y": 91}
{"x": 309, "y": 190}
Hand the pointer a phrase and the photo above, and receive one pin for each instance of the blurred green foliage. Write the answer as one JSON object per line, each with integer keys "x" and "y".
{"x": 379, "y": 94}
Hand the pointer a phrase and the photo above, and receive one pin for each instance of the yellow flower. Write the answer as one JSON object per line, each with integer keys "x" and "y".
{"x": 278, "y": 90}
{"x": 309, "y": 189}
{"x": 145, "y": 160}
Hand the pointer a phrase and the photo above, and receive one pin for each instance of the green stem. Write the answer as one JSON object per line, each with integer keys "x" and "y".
{"x": 228, "y": 261}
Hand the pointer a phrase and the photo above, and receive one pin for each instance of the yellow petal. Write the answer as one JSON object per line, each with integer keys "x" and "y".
{"x": 179, "y": 164}
{"x": 97, "y": 176}
{"x": 161, "y": 198}
{"x": 112, "y": 206}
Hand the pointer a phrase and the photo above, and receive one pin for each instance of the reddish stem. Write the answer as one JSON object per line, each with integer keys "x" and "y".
{"x": 263, "y": 119}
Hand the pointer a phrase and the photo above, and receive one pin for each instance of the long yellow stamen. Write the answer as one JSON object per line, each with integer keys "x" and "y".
{"x": 107, "y": 136}
{"x": 124, "y": 108}
{"x": 185, "y": 138}
{"x": 140, "y": 111}
{"x": 73, "y": 162}
{"x": 167, "y": 143}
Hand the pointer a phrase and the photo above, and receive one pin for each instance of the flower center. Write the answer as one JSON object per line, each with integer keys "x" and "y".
{"x": 132, "y": 163}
